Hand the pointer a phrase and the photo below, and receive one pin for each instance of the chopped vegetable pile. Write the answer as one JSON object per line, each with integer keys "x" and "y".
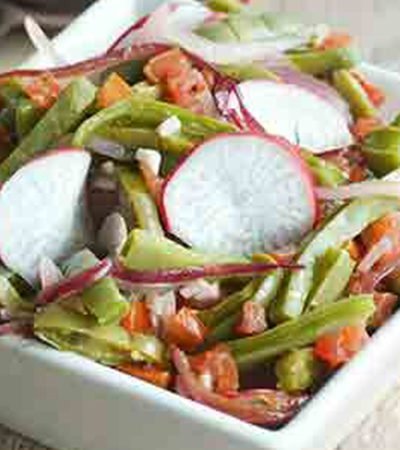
{"x": 212, "y": 206}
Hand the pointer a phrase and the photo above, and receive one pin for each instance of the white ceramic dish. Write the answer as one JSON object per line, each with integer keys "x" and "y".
{"x": 68, "y": 402}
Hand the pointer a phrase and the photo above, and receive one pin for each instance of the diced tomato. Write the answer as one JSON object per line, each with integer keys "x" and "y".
{"x": 138, "y": 319}
{"x": 114, "y": 89}
{"x": 170, "y": 64}
{"x": 149, "y": 373}
{"x": 335, "y": 40}
{"x": 182, "y": 83}
{"x": 340, "y": 346}
{"x": 385, "y": 303}
{"x": 252, "y": 320}
{"x": 190, "y": 91}
{"x": 364, "y": 126}
{"x": 374, "y": 93}
{"x": 219, "y": 365}
{"x": 43, "y": 91}
{"x": 184, "y": 329}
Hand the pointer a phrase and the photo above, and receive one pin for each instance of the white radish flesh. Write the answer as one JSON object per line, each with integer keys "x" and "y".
{"x": 295, "y": 113}
{"x": 239, "y": 194}
{"x": 42, "y": 211}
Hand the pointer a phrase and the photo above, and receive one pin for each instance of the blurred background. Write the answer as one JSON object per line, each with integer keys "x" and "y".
{"x": 376, "y": 23}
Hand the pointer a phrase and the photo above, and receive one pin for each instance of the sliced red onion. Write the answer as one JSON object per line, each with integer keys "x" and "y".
{"x": 259, "y": 409}
{"x": 76, "y": 283}
{"x": 359, "y": 190}
{"x": 92, "y": 66}
{"x": 375, "y": 253}
{"x": 201, "y": 294}
{"x": 151, "y": 28}
{"x": 179, "y": 277}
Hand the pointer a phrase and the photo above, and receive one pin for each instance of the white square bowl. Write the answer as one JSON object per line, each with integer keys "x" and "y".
{"x": 69, "y": 402}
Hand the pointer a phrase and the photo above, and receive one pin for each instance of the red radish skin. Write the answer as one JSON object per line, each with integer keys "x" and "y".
{"x": 298, "y": 167}
{"x": 170, "y": 277}
{"x": 75, "y": 284}
{"x": 24, "y": 257}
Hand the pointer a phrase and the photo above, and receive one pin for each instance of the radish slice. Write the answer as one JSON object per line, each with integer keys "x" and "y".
{"x": 42, "y": 212}
{"x": 239, "y": 194}
{"x": 313, "y": 85}
{"x": 292, "y": 112}
{"x": 49, "y": 272}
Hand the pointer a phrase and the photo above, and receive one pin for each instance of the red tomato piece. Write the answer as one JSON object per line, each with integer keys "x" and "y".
{"x": 338, "y": 347}
{"x": 184, "y": 329}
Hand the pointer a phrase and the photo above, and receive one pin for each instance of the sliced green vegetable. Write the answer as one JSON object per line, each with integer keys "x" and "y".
{"x": 297, "y": 370}
{"x": 382, "y": 150}
{"x": 243, "y": 72}
{"x": 348, "y": 223}
{"x": 302, "y": 331}
{"x": 144, "y": 113}
{"x": 26, "y": 117}
{"x": 323, "y": 62}
{"x": 148, "y": 348}
{"x": 105, "y": 302}
{"x": 350, "y": 88}
{"x": 71, "y": 331}
{"x": 144, "y": 209}
{"x": 326, "y": 173}
{"x": 146, "y": 251}
{"x": 63, "y": 117}
{"x": 221, "y": 319}
{"x": 334, "y": 270}
{"x": 217, "y": 32}
{"x": 79, "y": 262}
{"x": 227, "y": 6}
{"x": 143, "y": 88}
{"x": 396, "y": 121}
{"x": 129, "y": 137}
{"x": 11, "y": 300}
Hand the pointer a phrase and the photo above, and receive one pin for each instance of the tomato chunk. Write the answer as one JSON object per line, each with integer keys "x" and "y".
{"x": 43, "y": 90}
{"x": 374, "y": 93}
{"x": 184, "y": 329}
{"x": 218, "y": 367}
{"x": 138, "y": 319}
{"x": 338, "y": 347}
{"x": 335, "y": 40}
{"x": 113, "y": 90}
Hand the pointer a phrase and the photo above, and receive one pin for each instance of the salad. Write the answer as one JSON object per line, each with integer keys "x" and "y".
{"x": 211, "y": 205}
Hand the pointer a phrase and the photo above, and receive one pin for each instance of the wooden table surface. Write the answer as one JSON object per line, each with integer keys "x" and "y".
{"x": 376, "y": 23}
